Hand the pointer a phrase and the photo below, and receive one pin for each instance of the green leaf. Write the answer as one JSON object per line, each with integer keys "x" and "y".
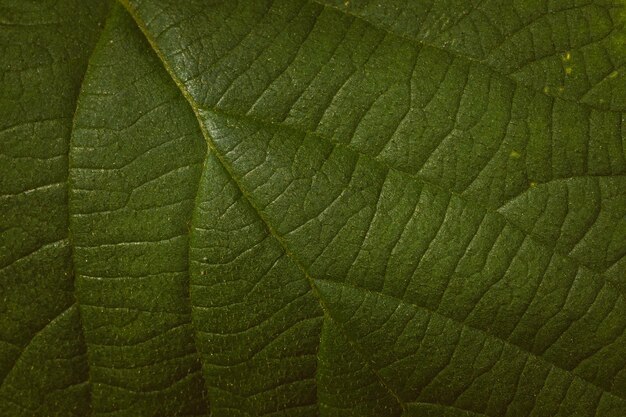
{"x": 299, "y": 208}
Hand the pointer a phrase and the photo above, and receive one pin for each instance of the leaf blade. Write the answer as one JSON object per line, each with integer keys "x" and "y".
{"x": 135, "y": 161}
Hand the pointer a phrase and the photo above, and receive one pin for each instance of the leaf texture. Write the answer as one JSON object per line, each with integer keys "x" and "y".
{"x": 45, "y": 48}
{"x": 300, "y": 208}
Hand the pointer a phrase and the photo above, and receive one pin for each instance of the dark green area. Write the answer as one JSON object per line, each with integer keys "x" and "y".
{"x": 299, "y": 208}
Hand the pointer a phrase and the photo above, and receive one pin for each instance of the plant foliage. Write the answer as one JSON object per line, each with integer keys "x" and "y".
{"x": 313, "y": 208}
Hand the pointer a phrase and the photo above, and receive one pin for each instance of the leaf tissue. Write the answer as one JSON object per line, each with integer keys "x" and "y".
{"x": 297, "y": 208}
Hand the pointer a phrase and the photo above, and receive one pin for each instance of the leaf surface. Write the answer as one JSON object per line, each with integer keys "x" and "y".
{"x": 317, "y": 208}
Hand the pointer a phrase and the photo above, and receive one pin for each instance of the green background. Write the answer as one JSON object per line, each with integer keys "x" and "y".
{"x": 292, "y": 208}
